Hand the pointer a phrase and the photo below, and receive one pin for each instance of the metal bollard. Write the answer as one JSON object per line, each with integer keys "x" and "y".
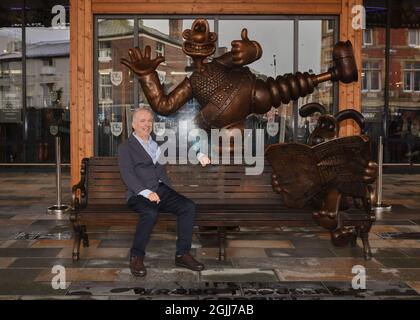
{"x": 59, "y": 207}
{"x": 380, "y": 207}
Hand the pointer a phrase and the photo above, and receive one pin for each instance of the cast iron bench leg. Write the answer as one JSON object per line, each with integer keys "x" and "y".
{"x": 222, "y": 243}
{"x": 76, "y": 243}
{"x": 367, "y": 253}
{"x": 84, "y": 236}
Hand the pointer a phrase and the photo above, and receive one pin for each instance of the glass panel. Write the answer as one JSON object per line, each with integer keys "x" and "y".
{"x": 372, "y": 95}
{"x": 404, "y": 108}
{"x": 315, "y": 56}
{"x": 115, "y": 84}
{"x": 374, "y": 80}
{"x": 47, "y": 79}
{"x": 407, "y": 80}
{"x": 11, "y": 115}
{"x": 412, "y": 36}
{"x": 417, "y": 81}
{"x": 277, "y": 59}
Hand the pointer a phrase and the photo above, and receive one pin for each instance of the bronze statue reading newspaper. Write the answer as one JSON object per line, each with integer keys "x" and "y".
{"x": 325, "y": 172}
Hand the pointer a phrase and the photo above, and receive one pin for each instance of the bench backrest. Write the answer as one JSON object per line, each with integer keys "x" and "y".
{"x": 213, "y": 184}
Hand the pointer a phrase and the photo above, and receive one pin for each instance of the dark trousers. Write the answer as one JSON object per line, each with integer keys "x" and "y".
{"x": 172, "y": 202}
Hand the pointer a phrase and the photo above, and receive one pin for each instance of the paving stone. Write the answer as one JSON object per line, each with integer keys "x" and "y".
{"x": 82, "y": 274}
{"x": 394, "y": 222}
{"x": 238, "y": 275}
{"x": 400, "y": 235}
{"x": 310, "y": 263}
{"x": 400, "y": 262}
{"x": 332, "y": 274}
{"x": 259, "y": 244}
{"x": 209, "y": 253}
{"x": 51, "y": 243}
{"x": 45, "y": 263}
{"x": 16, "y": 244}
{"x": 16, "y": 282}
{"x": 376, "y": 252}
{"x": 101, "y": 253}
{"x": 411, "y": 252}
{"x": 156, "y": 275}
{"x": 300, "y": 252}
{"x": 5, "y": 262}
{"x": 415, "y": 285}
{"x": 29, "y": 252}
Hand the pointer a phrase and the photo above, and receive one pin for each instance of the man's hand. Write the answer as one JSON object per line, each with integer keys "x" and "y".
{"x": 245, "y": 51}
{"x": 154, "y": 197}
{"x": 142, "y": 64}
{"x": 204, "y": 160}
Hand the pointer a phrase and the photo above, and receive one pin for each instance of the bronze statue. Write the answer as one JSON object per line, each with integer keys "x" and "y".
{"x": 326, "y": 171}
{"x": 226, "y": 90}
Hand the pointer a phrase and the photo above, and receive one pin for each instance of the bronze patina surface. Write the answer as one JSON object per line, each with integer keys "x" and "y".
{"x": 226, "y": 90}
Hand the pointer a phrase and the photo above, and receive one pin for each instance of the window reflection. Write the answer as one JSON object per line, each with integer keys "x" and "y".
{"x": 28, "y": 106}
{"x": 403, "y": 143}
{"x": 114, "y": 84}
{"x": 164, "y": 36}
{"x": 316, "y": 41}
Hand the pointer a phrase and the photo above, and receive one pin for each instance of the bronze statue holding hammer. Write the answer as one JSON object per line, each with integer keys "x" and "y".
{"x": 226, "y": 90}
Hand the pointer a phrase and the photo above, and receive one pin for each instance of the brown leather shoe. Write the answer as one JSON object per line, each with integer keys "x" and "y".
{"x": 137, "y": 267}
{"x": 188, "y": 261}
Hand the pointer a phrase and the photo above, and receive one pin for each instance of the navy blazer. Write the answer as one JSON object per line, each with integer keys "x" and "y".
{"x": 137, "y": 168}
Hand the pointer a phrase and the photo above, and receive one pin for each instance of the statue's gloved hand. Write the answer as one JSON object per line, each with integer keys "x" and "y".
{"x": 142, "y": 64}
{"x": 245, "y": 51}
{"x": 370, "y": 172}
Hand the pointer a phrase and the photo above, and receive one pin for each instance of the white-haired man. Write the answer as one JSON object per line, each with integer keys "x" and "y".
{"x": 149, "y": 192}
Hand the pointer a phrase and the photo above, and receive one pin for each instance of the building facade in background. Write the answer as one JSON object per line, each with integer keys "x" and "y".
{"x": 35, "y": 73}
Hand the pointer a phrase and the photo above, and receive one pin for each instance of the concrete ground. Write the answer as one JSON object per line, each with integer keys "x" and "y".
{"x": 282, "y": 263}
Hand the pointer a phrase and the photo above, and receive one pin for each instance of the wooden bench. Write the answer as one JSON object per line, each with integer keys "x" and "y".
{"x": 225, "y": 197}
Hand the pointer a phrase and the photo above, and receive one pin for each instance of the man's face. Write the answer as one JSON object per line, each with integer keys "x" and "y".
{"x": 143, "y": 123}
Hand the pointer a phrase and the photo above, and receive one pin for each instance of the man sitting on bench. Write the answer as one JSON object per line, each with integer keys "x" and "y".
{"x": 149, "y": 193}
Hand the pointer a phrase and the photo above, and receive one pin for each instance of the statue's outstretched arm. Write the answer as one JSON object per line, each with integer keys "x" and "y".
{"x": 161, "y": 103}
{"x": 145, "y": 68}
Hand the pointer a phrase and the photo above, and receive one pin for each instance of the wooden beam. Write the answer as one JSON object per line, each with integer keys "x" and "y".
{"x": 349, "y": 94}
{"x": 217, "y": 7}
{"x": 81, "y": 84}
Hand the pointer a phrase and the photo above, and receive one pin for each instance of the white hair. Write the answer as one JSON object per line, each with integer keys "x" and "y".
{"x": 141, "y": 108}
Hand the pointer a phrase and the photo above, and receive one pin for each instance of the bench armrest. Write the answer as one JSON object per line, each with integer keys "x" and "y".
{"x": 79, "y": 191}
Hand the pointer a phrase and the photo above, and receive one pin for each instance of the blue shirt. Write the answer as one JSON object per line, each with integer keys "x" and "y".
{"x": 153, "y": 151}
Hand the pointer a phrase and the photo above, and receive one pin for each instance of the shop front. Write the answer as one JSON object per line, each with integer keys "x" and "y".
{"x": 295, "y": 36}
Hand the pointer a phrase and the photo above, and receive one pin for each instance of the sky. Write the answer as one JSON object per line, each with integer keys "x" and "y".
{"x": 275, "y": 37}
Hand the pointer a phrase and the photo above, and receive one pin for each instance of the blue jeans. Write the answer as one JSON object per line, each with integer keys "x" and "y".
{"x": 172, "y": 202}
